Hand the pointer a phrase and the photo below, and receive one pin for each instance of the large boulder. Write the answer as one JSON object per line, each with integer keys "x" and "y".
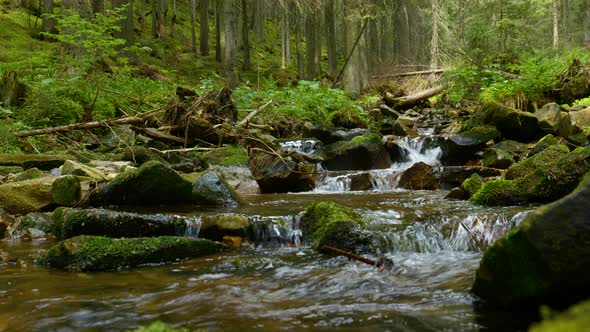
{"x": 574, "y": 122}
{"x": 151, "y": 184}
{"x": 453, "y": 176}
{"x": 472, "y": 184}
{"x": 38, "y": 194}
{"x": 95, "y": 253}
{"x": 69, "y": 222}
{"x": 512, "y": 123}
{"x": 210, "y": 189}
{"x": 547, "y": 157}
{"x": 549, "y": 117}
{"x": 66, "y": 190}
{"x": 279, "y": 174}
{"x": 419, "y": 177}
{"x": 360, "y": 153}
{"x": 545, "y": 260}
{"x": 40, "y": 161}
{"x": 460, "y": 148}
{"x": 327, "y": 223}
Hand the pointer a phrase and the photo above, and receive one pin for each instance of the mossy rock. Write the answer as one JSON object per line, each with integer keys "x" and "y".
{"x": 479, "y": 134}
{"x": 498, "y": 193}
{"x": 231, "y": 155}
{"x": 40, "y": 161}
{"x": 152, "y": 183}
{"x": 497, "y": 158}
{"x": 419, "y": 177}
{"x": 347, "y": 118}
{"x": 66, "y": 190}
{"x": 543, "y": 159}
{"x": 217, "y": 226}
{"x": 544, "y": 143}
{"x": 360, "y": 153}
{"x": 5, "y": 170}
{"x": 69, "y": 222}
{"x": 512, "y": 123}
{"x": 576, "y": 318}
{"x": 327, "y": 223}
{"x": 211, "y": 189}
{"x": 95, "y": 253}
{"x": 472, "y": 184}
{"x": 27, "y": 196}
{"x": 31, "y": 173}
{"x": 37, "y": 220}
{"x": 75, "y": 168}
{"x": 516, "y": 149}
{"x": 545, "y": 260}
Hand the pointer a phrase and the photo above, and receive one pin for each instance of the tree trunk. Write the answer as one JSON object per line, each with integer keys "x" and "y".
{"x": 204, "y": 28}
{"x": 434, "y": 42}
{"x": 285, "y": 40}
{"x": 331, "y": 39}
{"x": 259, "y": 19}
{"x": 218, "y": 6}
{"x": 230, "y": 19}
{"x": 311, "y": 45}
{"x": 161, "y": 17}
{"x": 98, "y": 6}
{"x": 173, "y": 20}
{"x": 351, "y": 71}
{"x": 193, "y": 30}
{"x": 587, "y": 26}
{"x": 48, "y": 22}
{"x": 81, "y": 7}
{"x": 555, "y": 15}
{"x": 245, "y": 39}
{"x": 155, "y": 18}
{"x": 402, "y": 29}
{"x": 298, "y": 46}
{"x": 565, "y": 23}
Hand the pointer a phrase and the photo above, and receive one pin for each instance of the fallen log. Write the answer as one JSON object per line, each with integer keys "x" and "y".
{"x": 412, "y": 73}
{"x": 79, "y": 126}
{"x": 153, "y": 133}
{"x": 409, "y": 101}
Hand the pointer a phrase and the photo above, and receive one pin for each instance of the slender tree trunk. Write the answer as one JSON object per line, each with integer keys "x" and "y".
{"x": 565, "y": 23}
{"x": 98, "y": 6}
{"x": 245, "y": 39}
{"x": 258, "y": 14}
{"x": 285, "y": 40}
{"x": 230, "y": 19}
{"x": 155, "y": 18}
{"x": 129, "y": 23}
{"x": 434, "y": 42}
{"x": 351, "y": 71}
{"x": 587, "y": 26}
{"x": 331, "y": 39}
{"x": 48, "y": 24}
{"x": 142, "y": 13}
{"x": 403, "y": 32}
{"x": 218, "y": 6}
{"x": 161, "y": 17}
{"x": 555, "y": 15}
{"x": 299, "y": 48}
{"x": 311, "y": 45}
{"x": 204, "y": 27}
{"x": 173, "y": 19}
{"x": 193, "y": 29}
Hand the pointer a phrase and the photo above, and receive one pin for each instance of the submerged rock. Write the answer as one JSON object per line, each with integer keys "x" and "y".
{"x": 545, "y": 260}
{"x": 419, "y": 177}
{"x": 95, "y": 253}
{"x": 360, "y": 153}
{"x": 327, "y": 223}
{"x": 72, "y": 222}
{"x": 152, "y": 183}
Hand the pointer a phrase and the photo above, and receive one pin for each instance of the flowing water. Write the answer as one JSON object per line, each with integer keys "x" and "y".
{"x": 280, "y": 283}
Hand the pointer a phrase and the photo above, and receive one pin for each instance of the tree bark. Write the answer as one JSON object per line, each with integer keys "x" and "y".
{"x": 245, "y": 39}
{"x": 258, "y": 14}
{"x": 218, "y": 8}
{"x": 311, "y": 45}
{"x": 331, "y": 39}
{"x": 173, "y": 19}
{"x": 299, "y": 48}
{"x": 230, "y": 18}
{"x": 193, "y": 30}
{"x": 555, "y": 15}
{"x": 402, "y": 28}
{"x": 98, "y": 6}
{"x": 48, "y": 24}
{"x": 434, "y": 41}
{"x": 587, "y": 26}
{"x": 285, "y": 40}
{"x": 204, "y": 28}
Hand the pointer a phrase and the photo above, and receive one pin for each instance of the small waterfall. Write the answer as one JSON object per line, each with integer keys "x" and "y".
{"x": 306, "y": 147}
{"x": 193, "y": 226}
{"x": 277, "y": 231}
{"x": 337, "y": 183}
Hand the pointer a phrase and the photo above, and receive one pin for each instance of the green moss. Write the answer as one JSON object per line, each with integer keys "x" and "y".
{"x": 327, "y": 223}
{"x": 159, "y": 327}
{"x": 231, "y": 155}
{"x": 576, "y": 318}
{"x": 481, "y": 133}
{"x": 512, "y": 123}
{"x": 349, "y": 118}
{"x": 497, "y": 158}
{"x": 541, "y": 160}
{"x": 152, "y": 183}
{"x": 72, "y": 222}
{"x": 31, "y": 173}
{"x": 497, "y": 193}
{"x": 95, "y": 253}
{"x": 472, "y": 184}
{"x": 5, "y": 170}
{"x": 544, "y": 143}
{"x": 370, "y": 138}
{"x": 66, "y": 190}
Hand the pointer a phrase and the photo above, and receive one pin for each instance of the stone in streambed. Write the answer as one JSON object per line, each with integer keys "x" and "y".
{"x": 212, "y": 189}
{"x": 545, "y": 260}
{"x": 360, "y": 153}
{"x": 512, "y": 123}
{"x": 218, "y": 226}
{"x": 419, "y": 177}
{"x": 95, "y": 253}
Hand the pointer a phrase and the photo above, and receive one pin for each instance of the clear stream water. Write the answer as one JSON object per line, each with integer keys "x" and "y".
{"x": 281, "y": 284}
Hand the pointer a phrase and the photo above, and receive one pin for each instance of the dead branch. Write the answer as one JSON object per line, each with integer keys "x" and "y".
{"x": 79, "y": 126}
{"x": 153, "y": 133}
{"x": 182, "y": 150}
{"x": 249, "y": 117}
{"x": 411, "y": 100}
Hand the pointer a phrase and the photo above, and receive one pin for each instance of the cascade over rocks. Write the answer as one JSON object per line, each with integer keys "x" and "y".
{"x": 95, "y": 253}
{"x": 545, "y": 260}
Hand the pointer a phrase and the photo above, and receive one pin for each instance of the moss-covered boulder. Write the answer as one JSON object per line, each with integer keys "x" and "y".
{"x": 545, "y": 260}
{"x": 27, "y": 196}
{"x": 327, "y": 223}
{"x": 211, "y": 189}
{"x": 31, "y": 173}
{"x": 69, "y": 222}
{"x": 497, "y": 158}
{"x": 66, "y": 190}
{"x": 231, "y": 155}
{"x": 498, "y": 193}
{"x": 152, "y": 183}
{"x": 477, "y": 135}
{"x": 453, "y": 176}
{"x": 545, "y": 142}
{"x": 282, "y": 173}
{"x": 516, "y": 149}
{"x": 5, "y": 170}
{"x": 40, "y": 161}
{"x": 95, "y": 253}
{"x": 360, "y": 153}
{"x": 217, "y": 226}
{"x": 576, "y": 318}
{"x": 512, "y": 123}
{"x": 544, "y": 159}
{"x": 472, "y": 184}
{"x": 419, "y": 176}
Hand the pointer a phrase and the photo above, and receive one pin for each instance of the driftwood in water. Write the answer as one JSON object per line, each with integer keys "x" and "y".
{"x": 383, "y": 263}
{"x": 409, "y": 101}
{"x": 79, "y": 126}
